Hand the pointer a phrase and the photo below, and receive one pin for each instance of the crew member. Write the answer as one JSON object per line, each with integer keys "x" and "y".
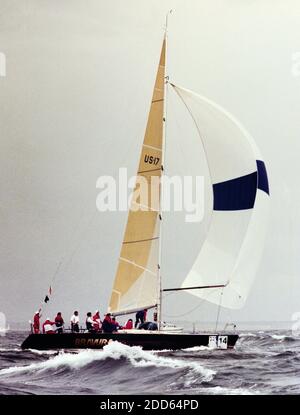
{"x": 117, "y": 325}
{"x": 48, "y": 326}
{"x": 140, "y": 317}
{"x": 128, "y": 325}
{"x": 89, "y": 322}
{"x": 59, "y": 322}
{"x": 145, "y": 326}
{"x": 75, "y": 322}
{"x": 154, "y": 325}
{"x": 36, "y": 322}
{"x": 97, "y": 321}
{"x": 150, "y": 325}
{"x": 107, "y": 324}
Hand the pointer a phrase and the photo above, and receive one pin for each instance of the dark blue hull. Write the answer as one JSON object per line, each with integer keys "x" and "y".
{"x": 148, "y": 341}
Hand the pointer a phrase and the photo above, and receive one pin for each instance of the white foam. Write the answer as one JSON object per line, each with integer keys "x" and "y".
{"x": 198, "y": 349}
{"x": 42, "y": 352}
{"x": 19, "y": 350}
{"x": 247, "y": 335}
{"x": 115, "y": 350}
{"x": 218, "y": 390}
{"x": 279, "y": 336}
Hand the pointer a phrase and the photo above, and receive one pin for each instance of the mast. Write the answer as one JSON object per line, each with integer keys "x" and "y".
{"x": 135, "y": 285}
{"x": 159, "y": 279}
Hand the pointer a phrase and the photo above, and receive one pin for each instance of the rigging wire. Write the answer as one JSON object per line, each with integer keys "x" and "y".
{"x": 186, "y": 313}
{"x": 66, "y": 260}
{"x": 219, "y": 309}
{"x": 202, "y": 302}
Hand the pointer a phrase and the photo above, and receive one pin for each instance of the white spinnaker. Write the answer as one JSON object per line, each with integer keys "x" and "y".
{"x": 231, "y": 252}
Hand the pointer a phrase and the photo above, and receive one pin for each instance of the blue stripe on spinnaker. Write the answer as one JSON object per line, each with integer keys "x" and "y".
{"x": 236, "y": 194}
{"x": 263, "y": 182}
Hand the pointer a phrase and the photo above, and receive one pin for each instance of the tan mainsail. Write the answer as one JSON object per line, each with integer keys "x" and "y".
{"x": 136, "y": 281}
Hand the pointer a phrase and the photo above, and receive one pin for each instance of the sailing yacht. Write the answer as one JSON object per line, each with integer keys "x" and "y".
{"x": 226, "y": 265}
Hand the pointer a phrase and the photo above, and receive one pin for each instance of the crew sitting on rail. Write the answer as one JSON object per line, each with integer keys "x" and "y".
{"x": 117, "y": 325}
{"x": 48, "y": 326}
{"x": 149, "y": 325}
{"x": 128, "y": 325}
{"x": 107, "y": 325}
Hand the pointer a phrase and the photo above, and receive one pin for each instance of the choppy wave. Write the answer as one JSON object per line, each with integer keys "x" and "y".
{"x": 248, "y": 335}
{"x": 135, "y": 355}
{"x": 283, "y": 337}
{"x": 262, "y": 362}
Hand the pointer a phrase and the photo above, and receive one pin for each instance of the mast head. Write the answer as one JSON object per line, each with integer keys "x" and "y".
{"x": 167, "y": 18}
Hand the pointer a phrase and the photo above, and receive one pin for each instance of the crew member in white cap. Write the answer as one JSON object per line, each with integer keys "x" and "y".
{"x": 48, "y": 326}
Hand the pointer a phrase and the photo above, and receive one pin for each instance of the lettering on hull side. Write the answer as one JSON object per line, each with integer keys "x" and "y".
{"x": 96, "y": 343}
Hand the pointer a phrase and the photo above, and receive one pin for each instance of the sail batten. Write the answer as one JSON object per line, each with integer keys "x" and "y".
{"x": 136, "y": 281}
{"x": 137, "y": 265}
{"x": 148, "y": 171}
{"x": 140, "y": 240}
{"x": 153, "y": 148}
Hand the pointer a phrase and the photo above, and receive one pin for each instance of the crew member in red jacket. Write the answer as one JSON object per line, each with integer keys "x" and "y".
{"x": 59, "y": 322}
{"x": 117, "y": 325}
{"x": 36, "y": 322}
{"x": 97, "y": 324}
{"x": 107, "y": 324}
{"x": 48, "y": 327}
{"x": 128, "y": 325}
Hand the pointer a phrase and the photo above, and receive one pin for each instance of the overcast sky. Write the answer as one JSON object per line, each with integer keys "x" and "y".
{"x": 74, "y": 104}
